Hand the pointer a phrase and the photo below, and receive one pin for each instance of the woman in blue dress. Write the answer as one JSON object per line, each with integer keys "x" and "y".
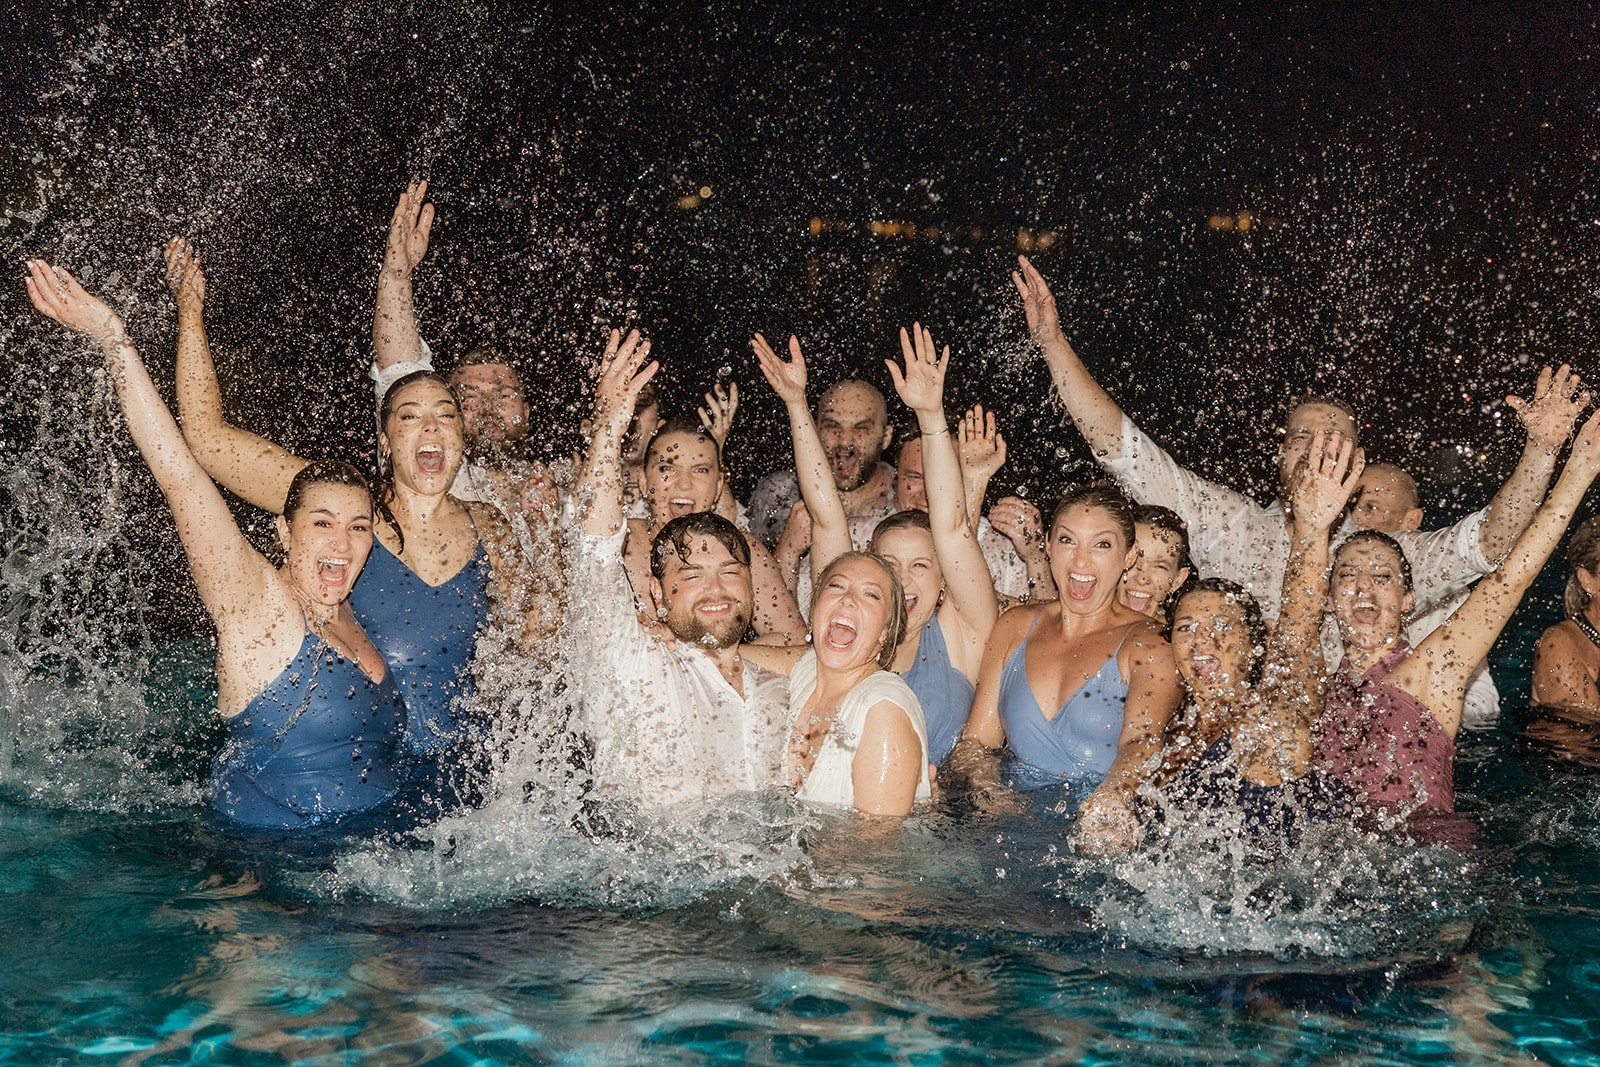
{"x": 315, "y": 721}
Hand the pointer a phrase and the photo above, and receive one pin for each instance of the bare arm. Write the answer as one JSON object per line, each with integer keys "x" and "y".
{"x": 975, "y": 759}
{"x": 1561, "y": 675}
{"x": 717, "y": 418}
{"x": 395, "y": 337}
{"x": 1097, "y": 416}
{"x": 227, "y": 571}
{"x": 830, "y": 530}
{"x": 983, "y": 452}
{"x": 1437, "y": 672}
{"x": 887, "y": 766}
{"x": 623, "y": 372}
{"x": 1558, "y": 400}
{"x": 777, "y": 617}
{"x": 250, "y": 466}
{"x": 969, "y": 589}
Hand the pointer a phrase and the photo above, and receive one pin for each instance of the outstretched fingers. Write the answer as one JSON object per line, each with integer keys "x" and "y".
{"x": 787, "y": 378}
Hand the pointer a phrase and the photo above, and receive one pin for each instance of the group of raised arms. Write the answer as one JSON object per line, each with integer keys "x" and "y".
{"x": 860, "y": 633}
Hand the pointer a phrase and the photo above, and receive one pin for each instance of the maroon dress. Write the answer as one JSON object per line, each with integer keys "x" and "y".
{"x": 1383, "y": 743}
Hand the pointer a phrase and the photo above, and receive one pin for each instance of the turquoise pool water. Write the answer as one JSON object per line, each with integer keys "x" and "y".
{"x": 764, "y": 936}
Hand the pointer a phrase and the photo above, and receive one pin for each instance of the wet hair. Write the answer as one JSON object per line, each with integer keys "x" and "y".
{"x": 677, "y": 425}
{"x": 1583, "y": 550}
{"x": 1378, "y": 538}
{"x": 485, "y": 356}
{"x": 678, "y": 536}
{"x": 1106, "y": 497}
{"x": 909, "y": 519}
{"x": 385, "y": 480}
{"x": 1233, "y": 593}
{"x": 1325, "y": 400}
{"x": 894, "y": 631}
{"x": 1169, "y": 522}
{"x": 322, "y": 472}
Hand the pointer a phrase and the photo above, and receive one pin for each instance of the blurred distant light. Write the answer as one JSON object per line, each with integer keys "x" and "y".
{"x": 816, "y": 226}
{"x": 1244, "y": 220}
{"x": 931, "y": 232}
{"x": 705, "y": 192}
{"x": 690, "y": 202}
{"x": 1220, "y": 222}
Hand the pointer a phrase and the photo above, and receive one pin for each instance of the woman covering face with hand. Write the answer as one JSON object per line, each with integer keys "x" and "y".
{"x": 315, "y": 721}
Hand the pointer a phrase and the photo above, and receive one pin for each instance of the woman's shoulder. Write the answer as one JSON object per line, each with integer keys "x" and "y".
{"x": 1564, "y": 638}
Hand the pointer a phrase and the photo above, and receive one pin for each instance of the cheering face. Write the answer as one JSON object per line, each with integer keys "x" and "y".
{"x": 1088, "y": 555}
{"x": 1211, "y": 642}
{"x": 1369, "y": 595}
{"x": 327, "y": 541}
{"x": 681, "y": 476}
{"x": 1304, "y": 422}
{"x": 422, "y": 437}
{"x": 708, "y": 597}
{"x": 910, "y": 551}
{"x": 850, "y": 618}
{"x": 1155, "y": 572}
{"x": 854, "y": 427}
{"x": 494, "y": 409}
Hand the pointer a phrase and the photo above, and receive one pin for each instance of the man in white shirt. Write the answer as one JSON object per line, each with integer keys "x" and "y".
{"x": 670, "y": 720}
{"x": 1233, "y": 537}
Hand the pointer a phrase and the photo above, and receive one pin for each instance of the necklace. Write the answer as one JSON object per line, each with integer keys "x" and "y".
{"x": 1588, "y": 629}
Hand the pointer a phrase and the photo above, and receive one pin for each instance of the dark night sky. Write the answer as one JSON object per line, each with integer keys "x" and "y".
{"x": 1424, "y": 230}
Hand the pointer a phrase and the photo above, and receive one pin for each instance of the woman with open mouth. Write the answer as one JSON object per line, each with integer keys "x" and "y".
{"x": 1162, "y": 567}
{"x": 315, "y": 721}
{"x": 857, "y": 738}
{"x": 438, "y": 564}
{"x": 1389, "y": 725}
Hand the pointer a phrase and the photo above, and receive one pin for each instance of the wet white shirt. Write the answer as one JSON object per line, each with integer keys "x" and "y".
{"x": 831, "y": 780}
{"x": 664, "y": 722}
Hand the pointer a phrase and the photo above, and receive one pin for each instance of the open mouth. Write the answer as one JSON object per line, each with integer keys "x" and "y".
{"x": 1081, "y": 586}
{"x": 430, "y": 459}
{"x": 1143, "y": 603}
{"x": 1364, "y": 613}
{"x": 1205, "y": 666}
{"x": 332, "y": 573}
{"x": 840, "y": 634}
{"x": 678, "y": 507}
{"x": 845, "y": 465}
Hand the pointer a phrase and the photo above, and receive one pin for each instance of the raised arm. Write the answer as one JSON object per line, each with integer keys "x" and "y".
{"x": 1437, "y": 672}
{"x": 717, "y": 418}
{"x": 1275, "y": 743}
{"x": 395, "y": 338}
{"x": 248, "y": 465}
{"x": 966, "y": 576}
{"x": 1558, "y": 400}
{"x": 227, "y": 571}
{"x": 830, "y": 531}
{"x": 1097, "y": 416}
{"x": 623, "y": 373}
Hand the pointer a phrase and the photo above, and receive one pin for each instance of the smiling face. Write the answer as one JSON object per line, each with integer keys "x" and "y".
{"x": 1369, "y": 595}
{"x": 1155, "y": 573}
{"x": 327, "y": 540}
{"x": 1088, "y": 553}
{"x": 1304, "y": 421}
{"x": 851, "y": 614}
{"x": 707, "y": 593}
{"x": 854, "y": 426}
{"x": 1211, "y": 642}
{"x": 681, "y": 476}
{"x": 494, "y": 409}
{"x": 910, "y": 551}
{"x": 422, "y": 437}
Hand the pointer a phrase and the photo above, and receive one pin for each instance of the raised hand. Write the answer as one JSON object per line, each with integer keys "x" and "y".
{"x": 623, "y": 374}
{"x": 1324, "y": 480}
{"x": 1586, "y": 447}
{"x": 1038, "y": 304}
{"x": 1558, "y": 399}
{"x": 58, "y": 296}
{"x": 787, "y": 378}
{"x": 1021, "y": 522}
{"x": 185, "y": 277}
{"x": 409, "y": 230}
{"x": 982, "y": 449}
{"x": 921, "y": 385}
{"x": 717, "y": 415}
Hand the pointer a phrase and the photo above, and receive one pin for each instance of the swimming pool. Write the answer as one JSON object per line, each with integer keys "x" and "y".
{"x": 760, "y": 934}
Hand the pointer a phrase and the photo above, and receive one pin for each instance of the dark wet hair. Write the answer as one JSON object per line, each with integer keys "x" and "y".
{"x": 894, "y": 631}
{"x": 485, "y": 356}
{"x": 1378, "y": 538}
{"x": 1583, "y": 550}
{"x": 909, "y": 519}
{"x": 902, "y": 440}
{"x": 676, "y": 539}
{"x": 1106, "y": 497}
{"x": 322, "y": 472}
{"x": 385, "y": 481}
{"x": 1167, "y": 521}
{"x": 1233, "y": 593}
{"x": 679, "y": 425}
{"x": 1327, "y": 401}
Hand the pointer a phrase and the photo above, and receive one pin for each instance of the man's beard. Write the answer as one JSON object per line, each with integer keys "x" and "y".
{"x": 503, "y": 441}
{"x": 725, "y": 634}
{"x": 866, "y": 468}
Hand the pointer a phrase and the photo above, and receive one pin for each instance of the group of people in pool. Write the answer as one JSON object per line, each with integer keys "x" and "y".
{"x": 860, "y": 632}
